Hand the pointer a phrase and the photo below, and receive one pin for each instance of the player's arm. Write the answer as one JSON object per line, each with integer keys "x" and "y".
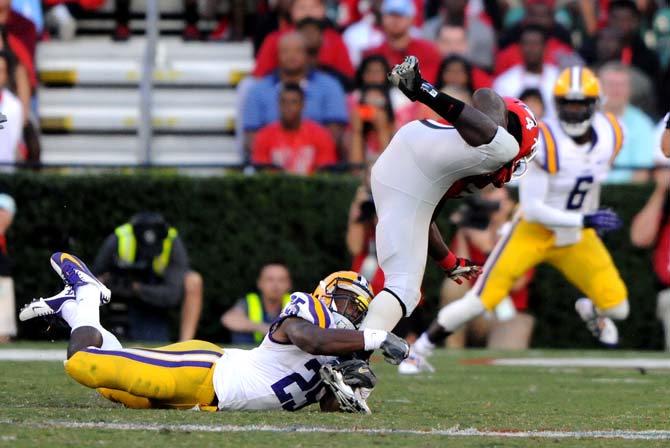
{"x": 476, "y": 127}
{"x": 454, "y": 267}
{"x": 315, "y": 340}
{"x": 532, "y": 191}
{"x": 665, "y": 137}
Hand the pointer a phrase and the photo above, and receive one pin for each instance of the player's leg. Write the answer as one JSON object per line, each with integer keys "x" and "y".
{"x": 589, "y": 266}
{"x": 191, "y": 306}
{"x": 514, "y": 254}
{"x": 402, "y": 247}
{"x": 174, "y": 376}
{"x": 78, "y": 304}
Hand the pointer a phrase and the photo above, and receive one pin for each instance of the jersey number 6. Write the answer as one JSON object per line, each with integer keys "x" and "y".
{"x": 578, "y": 193}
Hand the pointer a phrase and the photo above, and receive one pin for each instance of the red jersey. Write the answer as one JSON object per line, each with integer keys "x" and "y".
{"x": 661, "y": 257}
{"x": 333, "y": 53}
{"x": 423, "y": 49}
{"x": 297, "y": 151}
{"x": 510, "y": 56}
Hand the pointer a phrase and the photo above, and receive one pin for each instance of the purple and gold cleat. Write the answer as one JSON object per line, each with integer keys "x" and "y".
{"x": 74, "y": 272}
{"x": 47, "y": 307}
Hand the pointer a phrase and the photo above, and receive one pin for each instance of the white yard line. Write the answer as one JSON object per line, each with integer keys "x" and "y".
{"x": 634, "y": 363}
{"x": 452, "y": 432}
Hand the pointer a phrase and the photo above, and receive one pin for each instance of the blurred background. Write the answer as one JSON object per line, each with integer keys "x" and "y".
{"x": 231, "y": 139}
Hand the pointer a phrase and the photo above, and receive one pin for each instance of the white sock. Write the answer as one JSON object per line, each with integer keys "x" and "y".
{"x": 87, "y": 314}
{"x": 423, "y": 346}
{"x": 69, "y": 312}
{"x": 460, "y": 312}
{"x": 384, "y": 313}
{"x": 618, "y": 312}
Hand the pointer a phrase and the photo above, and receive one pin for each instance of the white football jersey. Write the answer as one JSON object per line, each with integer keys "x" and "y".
{"x": 274, "y": 375}
{"x": 574, "y": 172}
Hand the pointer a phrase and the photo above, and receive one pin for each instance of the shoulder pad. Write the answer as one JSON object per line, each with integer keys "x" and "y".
{"x": 306, "y": 307}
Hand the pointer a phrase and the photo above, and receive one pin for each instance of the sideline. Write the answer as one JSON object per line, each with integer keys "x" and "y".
{"x": 452, "y": 432}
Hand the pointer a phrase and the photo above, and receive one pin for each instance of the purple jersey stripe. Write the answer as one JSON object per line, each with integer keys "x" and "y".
{"x": 493, "y": 258}
{"x": 151, "y": 361}
{"x": 184, "y": 352}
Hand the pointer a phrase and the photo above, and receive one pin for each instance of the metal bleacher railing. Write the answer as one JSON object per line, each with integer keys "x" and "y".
{"x": 90, "y": 100}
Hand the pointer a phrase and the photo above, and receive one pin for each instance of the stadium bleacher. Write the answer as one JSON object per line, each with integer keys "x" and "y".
{"x": 89, "y": 100}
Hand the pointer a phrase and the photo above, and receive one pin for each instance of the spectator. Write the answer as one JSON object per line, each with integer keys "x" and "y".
{"x": 312, "y": 30}
{"x": 397, "y": 19}
{"x": 480, "y": 223}
{"x": 609, "y": 47}
{"x": 278, "y": 17}
{"x": 558, "y": 45}
{"x": 31, "y": 10}
{"x": 18, "y": 79}
{"x": 295, "y": 145}
{"x": 452, "y": 40}
{"x": 11, "y": 107}
{"x": 455, "y": 71}
{"x": 532, "y": 72}
{"x": 324, "y": 98}
{"x": 533, "y": 99}
{"x": 7, "y": 309}
{"x": 365, "y": 33}
{"x": 636, "y": 155}
{"x": 333, "y": 53}
{"x": 372, "y": 123}
{"x": 122, "y": 16}
{"x": 145, "y": 264}
{"x": 18, "y": 26}
{"x": 480, "y": 35}
{"x": 651, "y": 228}
{"x": 250, "y": 318}
{"x": 625, "y": 16}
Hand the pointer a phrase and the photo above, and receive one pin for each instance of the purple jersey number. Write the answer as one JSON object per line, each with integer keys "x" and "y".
{"x": 295, "y": 392}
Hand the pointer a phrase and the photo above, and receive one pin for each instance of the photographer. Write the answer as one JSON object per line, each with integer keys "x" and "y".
{"x": 145, "y": 264}
{"x": 480, "y": 221}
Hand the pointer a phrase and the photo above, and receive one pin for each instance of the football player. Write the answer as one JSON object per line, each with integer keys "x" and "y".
{"x": 285, "y": 372}
{"x": 559, "y": 220}
{"x": 427, "y": 163}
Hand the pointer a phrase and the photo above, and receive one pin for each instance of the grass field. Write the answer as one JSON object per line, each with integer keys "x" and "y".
{"x": 464, "y": 404}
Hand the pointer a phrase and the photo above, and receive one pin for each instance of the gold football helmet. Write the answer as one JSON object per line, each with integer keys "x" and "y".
{"x": 576, "y": 93}
{"x": 347, "y": 295}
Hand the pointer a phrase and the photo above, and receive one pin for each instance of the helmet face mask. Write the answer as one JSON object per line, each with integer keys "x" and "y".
{"x": 576, "y": 116}
{"x": 347, "y": 295}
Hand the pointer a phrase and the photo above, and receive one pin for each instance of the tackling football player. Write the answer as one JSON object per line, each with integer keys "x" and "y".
{"x": 559, "y": 220}
{"x": 293, "y": 367}
{"x": 425, "y": 164}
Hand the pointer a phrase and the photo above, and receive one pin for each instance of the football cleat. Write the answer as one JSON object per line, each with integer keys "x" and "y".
{"x": 415, "y": 364}
{"x": 602, "y": 328}
{"x": 47, "y": 307}
{"x": 74, "y": 272}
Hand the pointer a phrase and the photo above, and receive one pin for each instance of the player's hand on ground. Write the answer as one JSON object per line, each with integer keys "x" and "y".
{"x": 395, "y": 349}
{"x": 407, "y": 77}
{"x": 464, "y": 269}
{"x": 603, "y": 220}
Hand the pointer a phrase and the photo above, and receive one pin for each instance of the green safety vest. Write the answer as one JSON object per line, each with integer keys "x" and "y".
{"x": 128, "y": 247}
{"x": 255, "y": 311}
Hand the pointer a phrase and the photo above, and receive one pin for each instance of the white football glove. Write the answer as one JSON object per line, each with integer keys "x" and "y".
{"x": 407, "y": 77}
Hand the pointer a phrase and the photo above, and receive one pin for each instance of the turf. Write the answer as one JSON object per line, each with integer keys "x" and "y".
{"x": 41, "y": 406}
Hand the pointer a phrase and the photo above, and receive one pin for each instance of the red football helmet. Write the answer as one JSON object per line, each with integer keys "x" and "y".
{"x": 527, "y": 147}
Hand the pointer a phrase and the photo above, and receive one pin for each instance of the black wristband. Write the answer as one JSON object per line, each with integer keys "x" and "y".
{"x": 447, "y": 106}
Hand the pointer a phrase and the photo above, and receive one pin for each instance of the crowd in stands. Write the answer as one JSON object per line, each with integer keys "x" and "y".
{"x": 338, "y": 54}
